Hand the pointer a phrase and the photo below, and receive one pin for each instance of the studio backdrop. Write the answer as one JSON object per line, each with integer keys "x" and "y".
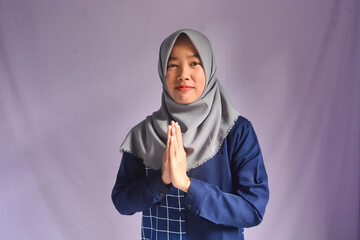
{"x": 76, "y": 75}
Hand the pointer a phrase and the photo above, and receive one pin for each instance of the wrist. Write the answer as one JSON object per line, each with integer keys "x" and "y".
{"x": 166, "y": 180}
{"x": 186, "y": 186}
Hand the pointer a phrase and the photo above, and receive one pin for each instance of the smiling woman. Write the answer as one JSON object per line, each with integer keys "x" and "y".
{"x": 185, "y": 76}
{"x": 194, "y": 167}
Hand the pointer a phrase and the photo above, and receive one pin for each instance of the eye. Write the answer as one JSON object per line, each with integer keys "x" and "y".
{"x": 195, "y": 64}
{"x": 171, "y": 66}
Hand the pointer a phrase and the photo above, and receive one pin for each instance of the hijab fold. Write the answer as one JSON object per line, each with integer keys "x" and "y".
{"x": 204, "y": 123}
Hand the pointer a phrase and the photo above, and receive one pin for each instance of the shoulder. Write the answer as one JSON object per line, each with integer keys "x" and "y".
{"x": 241, "y": 134}
{"x": 241, "y": 126}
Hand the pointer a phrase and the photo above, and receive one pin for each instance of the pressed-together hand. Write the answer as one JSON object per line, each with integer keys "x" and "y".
{"x": 174, "y": 160}
{"x": 166, "y": 176}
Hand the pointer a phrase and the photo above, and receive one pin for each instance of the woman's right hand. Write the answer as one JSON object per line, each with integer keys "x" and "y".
{"x": 166, "y": 175}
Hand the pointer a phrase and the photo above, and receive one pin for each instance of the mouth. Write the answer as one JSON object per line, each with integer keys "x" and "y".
{"x": 184, "y": 88}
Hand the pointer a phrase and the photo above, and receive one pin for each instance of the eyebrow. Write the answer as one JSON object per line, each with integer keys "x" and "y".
{"x": 192, "y": 56}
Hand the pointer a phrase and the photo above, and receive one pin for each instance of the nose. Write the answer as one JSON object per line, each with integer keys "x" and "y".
{"x": 184, "y": 73}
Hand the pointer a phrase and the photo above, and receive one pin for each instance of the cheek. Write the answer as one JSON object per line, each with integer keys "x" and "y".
{"x": 201, "y": 81}
{"x": 170, "y": 84}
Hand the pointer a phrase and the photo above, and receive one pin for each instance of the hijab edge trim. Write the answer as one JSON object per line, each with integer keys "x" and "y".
{"x": 221, "y": 142}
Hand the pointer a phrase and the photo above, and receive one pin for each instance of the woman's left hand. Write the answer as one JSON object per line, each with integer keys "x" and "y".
{"x": 177, "y": 155}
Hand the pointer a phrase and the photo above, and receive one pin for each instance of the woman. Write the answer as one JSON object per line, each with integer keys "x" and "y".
{"x": 194, "y": 167}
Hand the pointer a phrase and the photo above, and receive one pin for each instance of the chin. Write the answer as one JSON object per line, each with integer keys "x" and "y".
{"x": 183, "y": 101}
{"x": 184, "y": 98}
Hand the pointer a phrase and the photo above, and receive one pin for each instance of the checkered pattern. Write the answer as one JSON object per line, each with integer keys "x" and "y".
{"x": 165, "y": 220}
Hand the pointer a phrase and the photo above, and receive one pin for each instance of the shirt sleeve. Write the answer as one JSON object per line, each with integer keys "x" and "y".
{"x": 245, "y": 206}
{"x": 134, "y": 191}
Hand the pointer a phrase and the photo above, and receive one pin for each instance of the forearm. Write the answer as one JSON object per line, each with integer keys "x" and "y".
{"x": 139, "y": 195}
{"x": 228, "y": 209}
{"x": 134, "y": 191}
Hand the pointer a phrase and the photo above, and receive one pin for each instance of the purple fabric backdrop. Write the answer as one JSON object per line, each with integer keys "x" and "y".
{"x": 76, "y": 75}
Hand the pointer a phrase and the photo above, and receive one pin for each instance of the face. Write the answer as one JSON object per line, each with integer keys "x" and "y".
{"x": 185, "y": 76}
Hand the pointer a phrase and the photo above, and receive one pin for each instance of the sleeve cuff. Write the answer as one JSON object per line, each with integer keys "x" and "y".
{"x": 157, "y": 186}
{"x": 195, "y": 196}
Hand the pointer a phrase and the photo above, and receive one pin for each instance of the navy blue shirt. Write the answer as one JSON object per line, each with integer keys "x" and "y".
{"x": 227, "y": 193}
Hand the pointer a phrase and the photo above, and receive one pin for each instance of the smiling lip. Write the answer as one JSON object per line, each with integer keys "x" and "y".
{"x": 184, "y": 88}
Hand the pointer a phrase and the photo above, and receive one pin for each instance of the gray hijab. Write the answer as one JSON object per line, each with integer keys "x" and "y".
{"x": 204, "y": 123}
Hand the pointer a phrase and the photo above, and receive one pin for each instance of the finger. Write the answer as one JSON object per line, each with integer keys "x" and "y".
{"x": 174, "y": 142}
{"x": 167, "y": 149}
{"x": 176, "y": 132}
{"x": 168, "y": 139}
{"x": 168, "y": 135}
{"x": 179, "y": 137}
{"x": 172, "y": 148}
{"x": 173, "y": 129}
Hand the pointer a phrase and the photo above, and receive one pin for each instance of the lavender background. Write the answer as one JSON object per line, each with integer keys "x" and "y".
{"x": 76, "y": 75}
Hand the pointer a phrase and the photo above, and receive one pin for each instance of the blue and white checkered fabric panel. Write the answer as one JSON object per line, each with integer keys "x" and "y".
{"x": 165, "y": 220}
